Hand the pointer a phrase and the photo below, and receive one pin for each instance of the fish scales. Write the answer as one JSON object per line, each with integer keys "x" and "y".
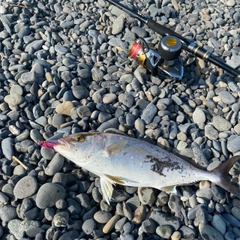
{"x": 132, "y": 162}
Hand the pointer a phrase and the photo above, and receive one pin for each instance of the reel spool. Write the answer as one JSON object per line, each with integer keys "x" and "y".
{"x": 136, "y": 52}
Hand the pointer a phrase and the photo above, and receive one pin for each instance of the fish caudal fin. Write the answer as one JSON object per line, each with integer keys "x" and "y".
{"x": 222, "y": 173}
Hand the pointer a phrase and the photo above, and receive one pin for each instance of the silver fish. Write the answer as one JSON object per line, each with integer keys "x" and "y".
{"x": 119, "y": 159}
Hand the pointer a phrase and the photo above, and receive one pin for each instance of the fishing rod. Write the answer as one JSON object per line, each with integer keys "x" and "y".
{"x": 166, "y": 58}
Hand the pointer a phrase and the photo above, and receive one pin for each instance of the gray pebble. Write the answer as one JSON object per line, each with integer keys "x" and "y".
{"x": 149, "y": 226}
{"x": 25, "y": 187}
{"x": 102, "y": 216}
{"x": 55, "y": 165}
{"x": 7, "y": 147}
{"x": 7, "y": 213}
{"x": 88, "y": 226}
{"x": 80, "y": 92}
{"x": 221, "y": 124}
{"x": 227, "y": 97}
{"x": 120, "y": 223}
{"x": 61, "y": 219}
{"x": 187, "y": 232}
{"x": 3, "y": 198}
{"x": 97, "y": 74}
{"x": 48, "y": 194}
{"x": 236, "y": 212}
{"x": 117, "y": 26}
{"x": 164, "y": 231}
{"x": 73, "y": 207}
{"x": 218, "y": 223}
{"x": 146, "y": 195}
{"x": 233, "y": 143}
{"x": 199, "y": 117}
{"x": 149, "y": 113}
{"x": 61, "y": 49}
{"x": 211, "y": 132}
{"x": 141, "y": 32}
{"x": 208, "y": 232}
{"x": 164, "y": 219}
{"x": 175, "y": 203}
{"x": 231, "y": 219}
{"x": 126, "y": 99}
{"x": 18, "y": 228}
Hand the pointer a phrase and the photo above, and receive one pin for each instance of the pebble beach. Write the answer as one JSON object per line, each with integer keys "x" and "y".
{"x": 64, "y": 69}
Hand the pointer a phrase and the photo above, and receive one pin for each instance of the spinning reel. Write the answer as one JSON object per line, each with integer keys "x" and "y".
{"x": 165, "y": 60}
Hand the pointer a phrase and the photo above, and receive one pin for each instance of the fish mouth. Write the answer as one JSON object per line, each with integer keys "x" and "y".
{"x": 53, "y": 143}
{"x": 48, "y": 144}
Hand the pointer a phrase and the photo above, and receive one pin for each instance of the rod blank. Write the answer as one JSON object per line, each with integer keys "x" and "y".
{"x": 187, "y": 45}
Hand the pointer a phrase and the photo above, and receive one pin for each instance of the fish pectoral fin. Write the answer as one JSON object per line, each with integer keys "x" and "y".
{"x": 107, "y": 182}
{"x": 115, "y": 148}
{"x": 170, "y": 189}
{"x": 115, "y": 179}
{"x": 107, "y": 189}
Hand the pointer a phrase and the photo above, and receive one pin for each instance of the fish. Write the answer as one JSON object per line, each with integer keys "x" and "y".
{"x": 124, "y": 160}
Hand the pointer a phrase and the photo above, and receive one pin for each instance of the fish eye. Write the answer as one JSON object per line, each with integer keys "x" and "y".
{"x": 78, "y": 138}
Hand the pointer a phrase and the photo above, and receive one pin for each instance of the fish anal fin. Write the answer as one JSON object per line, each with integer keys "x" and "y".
{"x": 222, "y": 173}
{"x": 115, "y": 179}
{"x": 107, "y": 189}
{"x": 115, "y": 148}
{"x": 169, "y": 189}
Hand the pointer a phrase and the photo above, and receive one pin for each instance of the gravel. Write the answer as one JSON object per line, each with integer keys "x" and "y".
{"x": 65, "y": 69}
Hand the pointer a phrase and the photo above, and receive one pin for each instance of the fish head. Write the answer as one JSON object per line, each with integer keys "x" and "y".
{"x": 79, "y": 147}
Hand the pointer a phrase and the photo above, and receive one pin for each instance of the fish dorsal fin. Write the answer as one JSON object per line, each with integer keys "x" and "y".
{"x": 107, "y": 182}
{"x": 115, "y": 147}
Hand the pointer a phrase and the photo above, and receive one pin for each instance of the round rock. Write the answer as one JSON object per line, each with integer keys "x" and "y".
{"x": 25, "y": 187}
{"x": 48, "y": 194}
{"x": 221, "y": 124}
{"x": 146, "y": 195}
{"x": 102, "y": 216}
{"x": 64, "y": 108}
{"x": 7, "y": 213}
{"x": 164, "y": 231}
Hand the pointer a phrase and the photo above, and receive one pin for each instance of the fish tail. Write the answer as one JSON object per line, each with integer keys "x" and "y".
{"x": 222, "y": 173}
